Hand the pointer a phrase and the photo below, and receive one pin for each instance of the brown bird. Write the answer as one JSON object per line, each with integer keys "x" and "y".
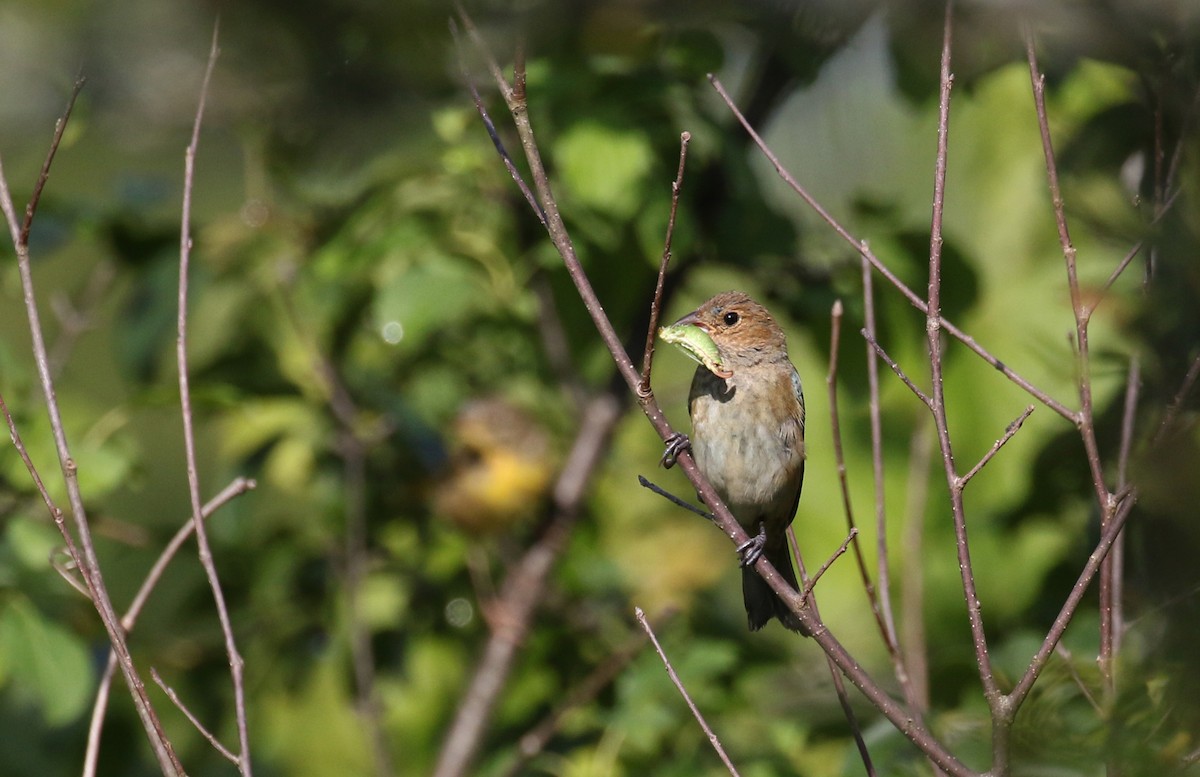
{"x": 747, "y": 411}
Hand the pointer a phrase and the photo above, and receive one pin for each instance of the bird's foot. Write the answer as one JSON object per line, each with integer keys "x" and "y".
{"x": 677, "y": 443}
{"x": 750, "y": 550}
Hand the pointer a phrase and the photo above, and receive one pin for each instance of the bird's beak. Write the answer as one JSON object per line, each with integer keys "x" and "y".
{"x": 691, "y": 319}
{"x": 696, "y": 341}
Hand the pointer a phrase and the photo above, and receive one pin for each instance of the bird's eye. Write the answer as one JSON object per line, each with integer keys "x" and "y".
{"x": 731, "y": 318}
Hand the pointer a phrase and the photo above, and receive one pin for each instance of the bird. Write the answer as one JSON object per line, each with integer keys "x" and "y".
{"x": 499, "y": 471}
{"x": 747, "y": 410}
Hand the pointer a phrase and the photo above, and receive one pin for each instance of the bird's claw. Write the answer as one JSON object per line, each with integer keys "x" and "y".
{"x": 752, "y": 549}
{"x": 677, "y": 443}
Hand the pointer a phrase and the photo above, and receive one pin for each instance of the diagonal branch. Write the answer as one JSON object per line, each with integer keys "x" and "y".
{"x": 85, "y": 555}
{"x": 862, "y": 248}
{"x": 899, "y": 715}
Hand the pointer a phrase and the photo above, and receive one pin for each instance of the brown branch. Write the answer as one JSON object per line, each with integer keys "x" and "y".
{"x": 839, "y": 685}
{"x": 900, "y": 716}
{"x": 933, "y": 329}
{"x": 656, "y": 305}
{"x": 236, "y": 664}
{"x": 812, "y": 583}
{"x": 912, "y": 589}
{"x": 864, "y": 250}
{"x": 523, "y": 590}
{"x": 1185, "y": 388}
{"x": 708, "y": 732}
{"x": 99, "y": 709}
{"x": 535, "y": 740}
{"x": 883, "y": 556}
{"x": 1087, "y": 427}
{"x": 491, "y": 127}
{"x": 1012, "y": 429}
{"x": 1069, "y": 661}
{"x": 1014, "y": 699}
{"x": 204, "y": 732}
{"x": 85, "y": 554}
{"x": 839, "y": 458}
{"x": 686, "y": 505}
{"x": 890, "y": 362}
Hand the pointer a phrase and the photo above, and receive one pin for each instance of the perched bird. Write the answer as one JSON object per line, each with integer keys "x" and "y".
{"x": 500, "y": 468}
{"x": 747, "y": 412}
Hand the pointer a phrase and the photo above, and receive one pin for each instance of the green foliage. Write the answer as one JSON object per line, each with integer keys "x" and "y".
{"x": 364, "y": 267}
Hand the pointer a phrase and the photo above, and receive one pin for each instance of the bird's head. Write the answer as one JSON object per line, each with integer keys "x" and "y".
{"x": 730, "y": 330}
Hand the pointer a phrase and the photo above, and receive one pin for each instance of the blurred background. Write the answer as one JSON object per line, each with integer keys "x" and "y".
{"x": 383, "y": 338}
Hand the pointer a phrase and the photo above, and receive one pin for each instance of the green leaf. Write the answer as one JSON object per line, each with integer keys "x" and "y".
{"x": 45, "y": 662}
{"x": 605, "y": 168}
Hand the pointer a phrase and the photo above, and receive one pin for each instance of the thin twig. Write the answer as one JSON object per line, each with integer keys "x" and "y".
{"x": 491, "y": 130}
{"x": 912, "y": 585}
{"x": 75, "y": 319}
{"x": 129, "y": 619}
{"x": 900, "y": 716}
{"x": 1067, "y": 611}
{"x": 1185, "y": 388}
{"x": 839, "y": 685}
{"x": 1069, "y": 661}
{"x": 839, "y": 457}
{"x": 85, "y": 554}
{"x": 204, "y": 732}
{"x": 1009, "y": 431}
{"x": 236, "y": 663}
{"x": 1087, "y": 427}
{"x": 656, "y": 305}
{"x": 812, "y": 583}
{"x": 534, "y": 741}
{"x": 890, "y": 362}
{"x": 686, "y": 505}
{"x": 863, "y": 249}
{"x": 933, "y": 329}
{"x": 708, "y": 732}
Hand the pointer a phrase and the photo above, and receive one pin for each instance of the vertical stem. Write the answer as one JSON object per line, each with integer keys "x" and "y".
{"x": 236, "y": 664}
{"x": 881, "y": 548}
{"x": 89, "y": 563}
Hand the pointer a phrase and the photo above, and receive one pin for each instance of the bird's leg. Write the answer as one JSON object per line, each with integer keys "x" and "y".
{"x": 752, "y": 549}
{"x": 677, "y": 443}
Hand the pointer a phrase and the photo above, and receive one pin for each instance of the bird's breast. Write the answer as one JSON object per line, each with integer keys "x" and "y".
{"x": 747, "y": 439}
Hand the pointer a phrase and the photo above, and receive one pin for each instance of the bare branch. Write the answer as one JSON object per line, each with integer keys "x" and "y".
{"x": 839, "y": 457}
{"x": 212, "y": 740}
{"x": 1069, "y": 662}
{"x": 890, "y": 362}
{"x": 862, "y": 248}
{"x": 1012, "y": 429}
{"x": 491, "y": 129}
{"x": 236, "y": 663}
{"x": 708, "y": 732}
{"x": 656, "y": 305}
{"x": 85, "y": 554}
{"x": 535, "y": 740}
{"x": 238, "y": 487}
{"x": 933, "y": 329}
{"x": 1185, "y": 388}
{"x": 1067, "y": 612}
{"x": 812, "y": 583}
{"x": 686, "y": 505}
{"x": 523, "y": 590}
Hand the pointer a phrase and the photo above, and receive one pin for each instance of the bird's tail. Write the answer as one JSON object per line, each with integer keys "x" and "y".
{"x": 761, "y": 602}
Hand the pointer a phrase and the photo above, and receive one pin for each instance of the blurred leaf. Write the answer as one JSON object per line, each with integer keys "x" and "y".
{"x": 605, "y": 168}
{"x": 45, "y": 662}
